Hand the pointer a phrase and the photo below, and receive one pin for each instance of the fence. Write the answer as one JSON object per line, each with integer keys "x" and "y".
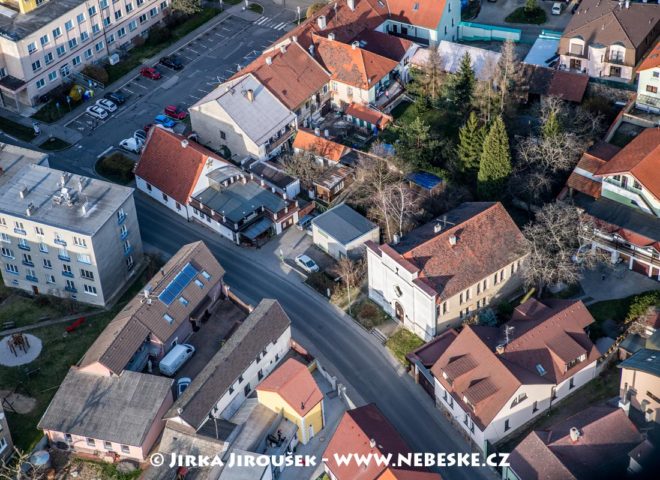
{"x": 479, "y": 32}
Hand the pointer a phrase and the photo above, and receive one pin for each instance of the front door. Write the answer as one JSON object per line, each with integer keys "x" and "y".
{"x": 398, "y": 311}
{"x": 35, "y": 290}
{"x": 576, "y": 64}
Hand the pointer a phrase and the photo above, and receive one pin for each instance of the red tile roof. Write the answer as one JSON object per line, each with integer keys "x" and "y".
{"x": 429, "y": 353}
{"x": 652, "y": 60}
{"x": 357, "y": 428}
{"x": 401, "y": 474}
{"x": 480, "y": 229}
{"x": 306, "y": 140}
{"x": 569, "y": 86}
{"x": 293, "y": 76}
{"x": 641, "y": 158}
{"x": 550, "y": 335}
{"x": 171, "y": 168}
{"x": 350, "y": 64}
{"x": 293, "y": 382}
{"x": 427, "y": 14}
{"x": 601, "y": 450}
{"x": 384, "y": 44}
{"x": 591, "y": 161}
{"x": 363, "y": 112}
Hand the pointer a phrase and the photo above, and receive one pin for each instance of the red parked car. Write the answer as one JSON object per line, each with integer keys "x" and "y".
{"x": 175, "y": 112}
{"x": 151, "y": 73}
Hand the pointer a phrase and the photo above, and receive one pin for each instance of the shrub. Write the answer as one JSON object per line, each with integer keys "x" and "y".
{"x": 158, "y": 34}
{"x": 116, "y": 167}
{"x": 42, "y": 301}
{"x": 641, "y": 303}
{"x": 96, "y": 72}
{"x": 314, "y": 7}
{"x": 368, "y": 310}
{"x": 138, "y": 41}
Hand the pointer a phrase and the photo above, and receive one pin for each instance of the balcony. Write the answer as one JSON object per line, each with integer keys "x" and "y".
{"x": 279, "y": 141}
{"x": 64, "y": 258}
{"x": 59, "y": 241}
{"x": 128, "y": 251}
{"x": 23, "y": 246}
{"x": 20, "y": 231}
{"x": 121, "y": 218}
{"x": 71, "y": 289}
{"x": 11, "y": 271}
{"x": 123, "y": 235}
{"x": 67, "y": 274}
{"x": 28, "y": 263}
{"x": 32, "y": 278}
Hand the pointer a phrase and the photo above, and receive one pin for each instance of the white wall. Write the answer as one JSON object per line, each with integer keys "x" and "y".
{"x": 646, "y": 78}
{"x": 156, "y": 194}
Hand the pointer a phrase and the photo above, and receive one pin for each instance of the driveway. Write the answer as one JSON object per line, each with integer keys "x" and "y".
{"x": 611, "y": 282}
{"x": 494, "y": 13}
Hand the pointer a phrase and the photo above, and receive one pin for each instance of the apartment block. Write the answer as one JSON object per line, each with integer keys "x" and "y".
{"x": 67, "y": 235}
{"x": 43, "y": 42}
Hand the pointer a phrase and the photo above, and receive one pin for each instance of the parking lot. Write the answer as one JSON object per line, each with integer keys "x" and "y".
{"x": 208, "y": 60}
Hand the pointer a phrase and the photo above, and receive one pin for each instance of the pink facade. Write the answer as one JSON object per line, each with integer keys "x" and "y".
{"x": 103, "y": 449}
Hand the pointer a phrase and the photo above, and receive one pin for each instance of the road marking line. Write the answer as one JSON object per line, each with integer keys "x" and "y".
{"x": 104, "y": 152}
{"x": 219, "y": 35}
{"x": 283, "y": 27}
{"x": 187, "y": 58}
{"x": 279, "y": 25}
{"x": 129, "y": 91}
{"x": 193, "y": 50}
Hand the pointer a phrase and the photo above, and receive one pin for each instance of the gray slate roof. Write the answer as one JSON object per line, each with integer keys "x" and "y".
{"x": 239, "y": 200}
{"x": 645, "y": 360}
{"x": 343, "y": 224}
{"x": 23, "y": 25}
{"x": 116, "y": 409}
{"x": 265, "y": 324}
{"x": 260, "y": 118}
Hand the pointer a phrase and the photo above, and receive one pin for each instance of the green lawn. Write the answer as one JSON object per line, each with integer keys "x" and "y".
{"x": 116, "y": 167}
{"x": 60, "y": 351}
{"x": 16, "y": 130}
{"x": 402, "y": 342}
{"x": 522, "y": 15}
{"x": 50, "y": 112}
{"x": 27, "y": 311}
{"x": 138, "y": 54}
{"x": 54, "y": 144}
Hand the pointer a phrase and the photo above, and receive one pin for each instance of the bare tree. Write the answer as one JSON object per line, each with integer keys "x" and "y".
{"x": 18, "y": 467}
{"x": 351, "y": 273}
{"x": 509, "y": 78}
{"x": 303, "y": 166}
{"x": 428, "y": 79}
{"x": 484, "y": 97}
{"x": 560, "y": 242}
{"x": 402, "y": 205}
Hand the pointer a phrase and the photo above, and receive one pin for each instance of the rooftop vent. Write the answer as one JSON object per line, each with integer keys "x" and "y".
{"x": 396, "y": 239}
{"x": 269, "y": 60}
{"x": 331, "y": 36}
{"x": 452, "y": 240}
{"x": 355, "y": 45}
{"x": 500, "y": 348}
{"x": 250, "y": 95}
{"x": 575, "y": 434}
{"x": 317, "y": 132}
{"x": 437, "y": 228}
{"x": 23, "y": 191}
{"x": 322, "y": 22}
{"x": 351, "y": 4}
{"x": 283, "y": 48}
{"x": 184, "y": 143}
{"x": 311, "y": 50}
{"x": 30, "y": 209}
{"x": 372, "y": 443}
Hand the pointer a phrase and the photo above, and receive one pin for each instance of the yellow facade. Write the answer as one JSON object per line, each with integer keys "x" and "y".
{"x": 308, "y": 425}
{"x": 24, "y": 6}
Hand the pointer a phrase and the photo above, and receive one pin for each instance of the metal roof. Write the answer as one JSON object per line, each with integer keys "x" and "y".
{"x": 645, "y": 360}
{"x": 343, "y": 224}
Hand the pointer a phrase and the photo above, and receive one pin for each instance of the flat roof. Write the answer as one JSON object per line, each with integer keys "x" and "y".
{"x": 13, "y": 158}
{"x": 62, "y": 200}
{"x": 23, "y": 24}
{"x": 343, "y": 223}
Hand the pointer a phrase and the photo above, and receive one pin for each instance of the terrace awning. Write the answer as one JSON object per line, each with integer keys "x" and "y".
{"x": 257, "y": 228}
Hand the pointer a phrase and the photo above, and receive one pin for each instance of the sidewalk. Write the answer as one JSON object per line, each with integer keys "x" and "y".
{"x": 72, "y": 136}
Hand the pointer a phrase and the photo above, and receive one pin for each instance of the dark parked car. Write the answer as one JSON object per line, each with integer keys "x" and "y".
{"x": 171, "y": 62}
{"x": 118, "y": 97}
{"x": 175, "y": 112}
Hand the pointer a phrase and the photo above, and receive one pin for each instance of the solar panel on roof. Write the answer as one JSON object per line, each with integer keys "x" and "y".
{"x": 176, "y": 286}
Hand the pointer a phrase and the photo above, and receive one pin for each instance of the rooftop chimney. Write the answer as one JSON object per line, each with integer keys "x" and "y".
{"x": 500, "y": 349}
{"x": 355, "y": 44}
{"x": 30, "y": 209}
{"x": 326, "y": 133}
{"x": 23, "y": 191}
{"x": 269, "y": 60}
{"x": 184, "y": 143}
{"x": 317, "y": 132}
{"x": 351, "y": 4}
{"x": 372, "y": 443}
{"x": 250, "y": 95}
{"x": 452, "y": 240}
{"x": 437, "y": 228}
{"x": 575, "y": 434}
{"x": 396, "y": 239}
{"x": 627, "y": 3}
{"x": 331, "y": 36}
{"x": 283, "y": 48}
{"x": 322, "y": 22}
{"x": 311, "y": 50}
{"x": 294, "y": 38}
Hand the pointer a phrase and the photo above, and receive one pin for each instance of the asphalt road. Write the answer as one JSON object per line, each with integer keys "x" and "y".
{"x": 355, "y": 356}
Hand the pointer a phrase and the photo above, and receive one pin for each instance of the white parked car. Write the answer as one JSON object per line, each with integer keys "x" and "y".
{"x": 97, "y": 112}
{"x": 307, "y": 263}
{"x": 132, "y": 144}
{"x": 557, "y": 8}
{"x": 109, "y": 105}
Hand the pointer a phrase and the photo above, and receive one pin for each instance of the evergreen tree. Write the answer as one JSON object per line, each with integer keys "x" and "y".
{"x": 416, "y": 145}
{"x": 552, "y": 127}
{"x": 471, "y": 143}
{"x": 495, "y": 164}
{"x": 461, "y": 88}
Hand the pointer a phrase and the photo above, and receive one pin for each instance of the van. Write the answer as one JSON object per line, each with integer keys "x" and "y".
{"x": 175, "y": 359}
